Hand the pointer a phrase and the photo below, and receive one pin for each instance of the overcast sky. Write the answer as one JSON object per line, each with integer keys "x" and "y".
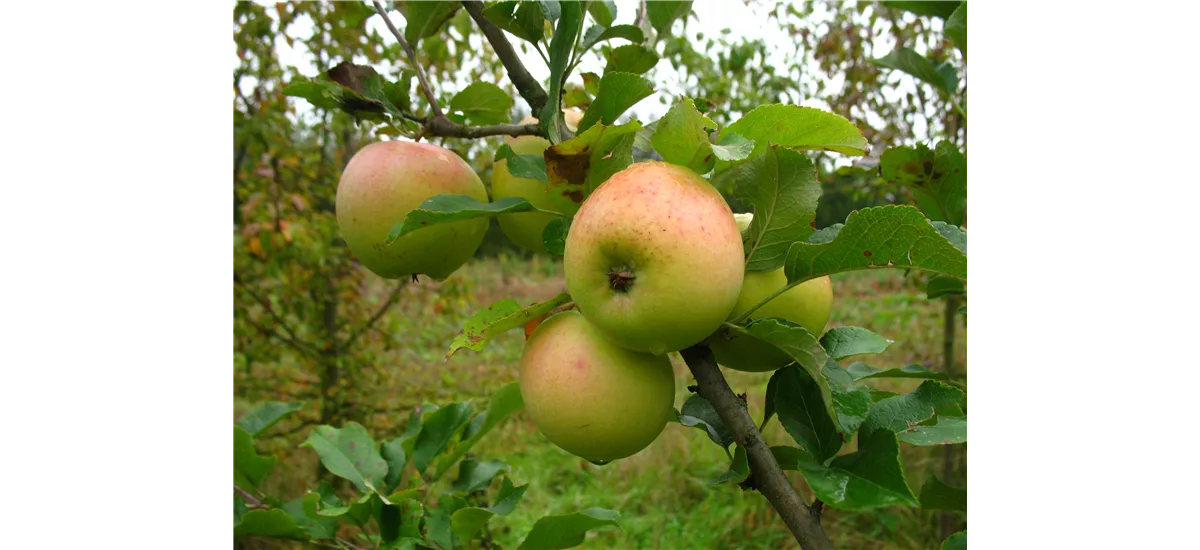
{"x": 711, "y": 18}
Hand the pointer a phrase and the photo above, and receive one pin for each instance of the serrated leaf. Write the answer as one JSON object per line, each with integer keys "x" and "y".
{"x": 554, "y": 236}
{"x": 249, "y": 467}
{"x": 939, "y": 286}
{"x": 617, "y": 93}
{"x": 523, "y": 19}
{"x": 843, "y": 342}
{"x": 937, "y": 178}
{"x": 483, "y": 103}
{"x": 957, "y": 541}
{"x": 474, "y": 475}
{"x": 955, "y": 235}
{"x": 732, "y": 147}
{"x": 797, "y": 127}
{"x": 436, "y": 432}
{"x": 902, "y": 413}
{"x": 862, "y": 371}
{"x": 566, "y": 531}
{"x": 269, "y": 523}
{"x": 739, "y": 468}
{"x": 349, "y": 453}
{"x": 942, "y": 77}
{"x": 266, "y": 415}
{"x": 782, "y": 186}
{"x": 932, "y": 8}
{"x": 851, "y": 402}
{"x": 663, "y": 13}
{"x": 440, "y": 209}
{"x": 883, "y": 236}
{"x": 936, "y": 495}
{"x": 949, "y": 430}
{"x": 681, "y": 137}
{"x": 425, "y": 18}
{"x": 604, "y": 12}
{"x": 956, "y": 28}
{"x": 503, "y": 315}
{"x": 566, "y": 30}
{"x": 804, "y": 407}
{"x": 699, "y": 412}
{"x": 630, "y": 58}
{"x": 790, "y": 338}
{"x": 870, "y": 477}
{"x": 600, "y": 33}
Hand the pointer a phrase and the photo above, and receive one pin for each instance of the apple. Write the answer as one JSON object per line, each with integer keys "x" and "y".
{"x": 590, "y": 397}
{"x": 808, "y": 304}
{"x": 526, "y": 228}
{"x": 654, "y": 258}
{"x": 386, "y": 180}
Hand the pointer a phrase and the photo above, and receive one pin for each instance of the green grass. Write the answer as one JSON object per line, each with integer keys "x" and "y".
{"x": 663, "y": 493}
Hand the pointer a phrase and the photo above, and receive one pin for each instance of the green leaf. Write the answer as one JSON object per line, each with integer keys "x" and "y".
{"x": 936, "y": 495}
{"x": 699, "y": 412}
{"x": 439, "y": 522}
{"x": 550, "y": 9}
{"x": 682, "y": 137}
{"x": 554, "y": 236}
{"x": 523, "y": 19}
{"x": 504, "y": 403}
{"x": 266, "y": 415}
{"x": 503, "y": 315}
{"x": 630, "y": 58}
{"x": 739, "y": 468}
{"x": 483, "y": 103}
{"x": 466, "y": 522}
{"x": 522, "y": 166}
{"x": 937, "y": 178}
{"x": 600, "y": 33}
{"x": 578, "y": 166}
{"x": 349, "y": 453}
{"x": 591, "y": 82}
{"x": 907, "y": 60}
{"x": 949, "y": 430}
{"x": 316, "y": 527}
{"x": 440, "y": 209}
{"x": 883, "y": 236}
{"x": 843, "y": 342}
{"x": 939, "y": 286}
{"x": 862, "y": 371}
{"x": 437, "y": 431}
{"x": 957, "y": 541}
{"x": 663, "y": 13}
{"x": 618, "y": 92}
{"x": 782, "y": 186}
{"x": 851, "y": 402}
{"x": 803, "y": 409}
{"x": 561, "y": 46}
{"x": 790, "y": 338}
{"x": 870, "y": 477}
{"x": 355, "y": 89}
{"x": 733, "y": 147}
{"x": 473, "y": 475}
{"x": 955, "y": 235}
{"x": 396, "y": 458}
{"x": 566, "y": 531}
{"x": 269, "y": 523}
{"x": 576, "y": 97}
{"x": 797, "y": 127}
{"x": 249, "y": 467}
{"x": 604, "y": 12}
{"x": 956, "y": 28}
{"x": 902, "y": 412}
{"x": 927, "y": 7}
{"x": 508, "y": 497}
{"x": 425, "y": 18}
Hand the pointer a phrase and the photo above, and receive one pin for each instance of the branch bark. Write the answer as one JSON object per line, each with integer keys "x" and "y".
{"x": 412, "y": 60}
{"x": 527, "y": 86}
{"x": 387, "y": 304}
{"x": 803, "y": 522}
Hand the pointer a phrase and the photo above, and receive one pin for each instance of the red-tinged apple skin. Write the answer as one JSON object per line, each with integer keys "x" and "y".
{"x": 654, "y": 258}
{"x": 808, "y": 304}
{"x": 590, "y": 397}
{"x": 386, "y": 180}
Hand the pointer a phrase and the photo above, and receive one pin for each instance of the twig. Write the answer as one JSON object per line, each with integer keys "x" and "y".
{"x": 527, "y": 86}
{"x": 251, "y": 502}
{"x": 641, "y": 21}
{"x": 412, "y": 59}
{"x": 278, "y": 320}
{"x": 387, "y": 304}
{"x": 768, "y": 476}
{"x": 444, "y": 127}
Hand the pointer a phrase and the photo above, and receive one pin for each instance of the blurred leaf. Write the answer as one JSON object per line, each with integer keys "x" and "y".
{"x": 505, "y": 401}
{"x": 663, "y": 13}
{"x": 949, "y": 430}
{"x": 681, "y": 137}
{"x": 618, "y": 92}
{"x": 862, "y": 371}
{"x": 591, "y": 82}
{"x": 870, "y": 477}
{"x": 508, "y": 497}
{"x": 566, "y": 531}
{"x": 936, "y": 495}
{"x": 739, "y": 468}
{"x": 955, "y": 235}
{"x": 956, "y": 28}
{"x": 440, "y": 209}
{"x": 483, "y": 103}
{"x": 554, "y": 237}
{"x": 938, "y": 179}
{"x": 929, "y": 8}
{"x": 630, "y": 58}
{"x": 732, "y": 147}
{"x": 474, "y": 475}
{"x": 551, "y": 9}
{"x": 503, "y": 315}
{"x": 249, "y": 467}
{"x": 851, "y": 402}
{"x": 796, "y": 127}
{"x": 604, "y": 12}
{"x": 466, "y": 522}
{"x": 600, "y": 33}
{"x": 957, "y": 541}
{"x": 843, "y": 342}
{"x": 349, "y": 453}
{"x": 577, "y": 97}
{"x": 316, "y": 527}
{"x": 782, "y": 186}
{"x": 903, "y": 412}
{"x": 523, "y": 19}
{"x": 269, "y": 523}
{"x": 425, "y": 18}
{"x": 805, "y": 410}
{"x": 939, "y": 286}
{"x": 698, "y": 411}
{"x": 907, "y": 60}
{"x": 566, "y": 31}
{"x": 266, "y": 415}
{"x": 395, "y": 457}
{"x": 439, "y": 523}
{"x": 437, "y": 431}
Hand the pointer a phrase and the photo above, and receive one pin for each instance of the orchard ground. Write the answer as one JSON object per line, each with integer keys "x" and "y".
{"x": 663, "y": 492}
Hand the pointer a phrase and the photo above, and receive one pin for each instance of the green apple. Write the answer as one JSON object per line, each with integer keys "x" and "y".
{"x": 526, "y": 228}
{"x": 590, "y": 397}
{"x": 654, "y": 258}
{"x": 808, "y": 304}
{"x": 386, "y": 180}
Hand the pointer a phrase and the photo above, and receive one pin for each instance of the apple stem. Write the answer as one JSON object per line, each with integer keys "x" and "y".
{"x": 769, "y": 479}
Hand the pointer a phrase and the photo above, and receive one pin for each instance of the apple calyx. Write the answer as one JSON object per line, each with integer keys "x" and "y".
{"x": 621, "y": 278}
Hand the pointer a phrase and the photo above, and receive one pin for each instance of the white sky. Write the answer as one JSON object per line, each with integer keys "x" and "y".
{"x": 711, "y": 18}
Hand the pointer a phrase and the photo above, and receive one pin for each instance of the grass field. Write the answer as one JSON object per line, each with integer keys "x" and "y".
{"x": 663, "y": 493}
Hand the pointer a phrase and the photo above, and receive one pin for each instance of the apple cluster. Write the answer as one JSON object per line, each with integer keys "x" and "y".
{"x": 654, "y": 262}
